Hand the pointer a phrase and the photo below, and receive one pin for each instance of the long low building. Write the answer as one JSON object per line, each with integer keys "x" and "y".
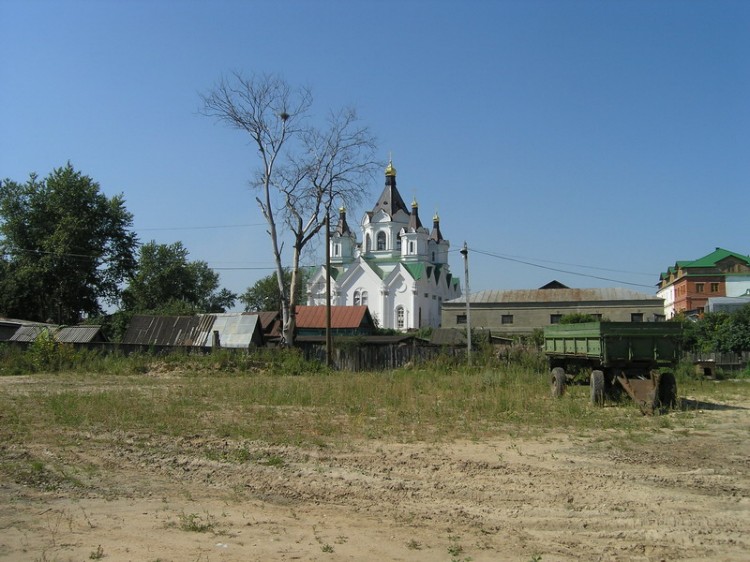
{"x": 523, "y": 311}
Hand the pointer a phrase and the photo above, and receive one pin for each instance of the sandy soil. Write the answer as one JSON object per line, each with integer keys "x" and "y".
{"x": 675, "y": 495}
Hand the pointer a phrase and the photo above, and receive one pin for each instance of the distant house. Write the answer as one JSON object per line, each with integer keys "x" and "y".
{"x": 345, "y": 321}
{"x": 510, "y": 312}
{"x": 687, "y": 286}
{"x": 230, "y": 330}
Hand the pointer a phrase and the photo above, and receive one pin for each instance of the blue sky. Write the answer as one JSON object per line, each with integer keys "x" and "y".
{"x": 591, "y": 142}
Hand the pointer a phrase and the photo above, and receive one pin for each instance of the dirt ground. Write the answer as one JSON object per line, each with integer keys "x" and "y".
{"x": 678, "y": 494}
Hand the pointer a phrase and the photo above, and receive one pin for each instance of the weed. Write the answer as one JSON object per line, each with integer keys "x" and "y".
{"x": 455, "y": 549}
{"x": 97, "y": 554}
{"x": 327, "y": 548}
{"x": 414, "y": 545}
{"x": 273, "y": 460}
{"x": 196, "y": 523}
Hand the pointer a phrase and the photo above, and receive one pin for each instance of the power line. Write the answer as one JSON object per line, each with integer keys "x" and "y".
{"x": 516, "y": 260}
{"x": 201, "y": 227}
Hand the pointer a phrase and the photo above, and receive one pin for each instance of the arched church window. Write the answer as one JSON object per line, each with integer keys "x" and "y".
{"x": 364, "y": 298}
{"x": 357, "y": 297}
{"x": 400, "y": 317}
{"x": 381, "y": 241}
{"x": 367, "y": 243}
{"x": 411, "y": 247}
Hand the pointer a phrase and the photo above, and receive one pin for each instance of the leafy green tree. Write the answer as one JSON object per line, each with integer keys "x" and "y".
{"x": 166, "y": 282}
{"x": 737, "y": 338}
{"x": 66, "y": 247}
{"x": 718, "y": 331}
{"x": 264, "y": 295}
{"x": 577, "y": 318}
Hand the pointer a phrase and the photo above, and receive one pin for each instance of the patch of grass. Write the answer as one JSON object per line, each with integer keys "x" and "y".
{"x": 196, "y": 523}
{"x": 323, "y": 408}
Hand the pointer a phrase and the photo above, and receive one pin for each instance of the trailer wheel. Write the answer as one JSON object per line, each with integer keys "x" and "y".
{"x": 559, "y": 379}
{"x": 667, "y": 390}
{"x": 597, "y": 387}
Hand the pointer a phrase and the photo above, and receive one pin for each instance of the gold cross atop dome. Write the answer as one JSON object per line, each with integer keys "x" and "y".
{"x": 390, "y": 170}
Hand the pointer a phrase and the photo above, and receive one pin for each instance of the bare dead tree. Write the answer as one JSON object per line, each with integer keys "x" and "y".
{"x": 303, "y": 169}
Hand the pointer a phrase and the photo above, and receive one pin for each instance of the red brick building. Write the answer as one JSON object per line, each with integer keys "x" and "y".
{"x": 687, "y": 286}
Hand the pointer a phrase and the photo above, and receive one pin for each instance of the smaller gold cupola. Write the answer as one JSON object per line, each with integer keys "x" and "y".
{"x": 390, "y": 170}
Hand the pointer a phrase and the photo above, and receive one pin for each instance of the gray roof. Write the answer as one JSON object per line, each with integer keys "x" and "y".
{"x": 166, "y": 330}
{"x": 79, "y": 334}
{"x": 63, "y": 334}
{"x": 555, "y": 295}
{"x": 30, "y": 333}
{"x": 237, "y": 330}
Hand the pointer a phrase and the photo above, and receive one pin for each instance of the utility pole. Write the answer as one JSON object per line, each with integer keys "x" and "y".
{"x": 329, "y": 340}
{"x": 465, "y": 254}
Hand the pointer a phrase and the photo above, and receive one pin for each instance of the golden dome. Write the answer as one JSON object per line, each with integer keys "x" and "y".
{"x": 390, "y": 170}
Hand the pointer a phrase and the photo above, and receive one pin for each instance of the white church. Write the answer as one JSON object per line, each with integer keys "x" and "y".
{"x": 400, "y": 269}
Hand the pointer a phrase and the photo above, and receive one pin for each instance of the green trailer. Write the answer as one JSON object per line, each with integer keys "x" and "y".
{"x": 636, "y": 357}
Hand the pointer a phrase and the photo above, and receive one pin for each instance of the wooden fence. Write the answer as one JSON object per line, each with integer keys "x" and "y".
{"x": 379, "y": 357}
{"x": 708, "y": 363}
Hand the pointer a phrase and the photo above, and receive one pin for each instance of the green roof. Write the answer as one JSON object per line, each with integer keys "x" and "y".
{"x": 417, "y": 270}
{"x": 714, "y": 257}
{"x": 709, "y": 260}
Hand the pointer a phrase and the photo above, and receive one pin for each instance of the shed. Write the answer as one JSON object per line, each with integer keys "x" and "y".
{"x": 179, "y": 331}
{"x": 345, "y": 321}
{"x": 80, "y": 334}
{"x": 235, "y": 330}
{"x": 28, "y": 334}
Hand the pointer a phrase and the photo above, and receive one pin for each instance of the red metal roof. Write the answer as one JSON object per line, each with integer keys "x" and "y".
{"x": 341, "y": 316}
{"x": 270, "y": 322}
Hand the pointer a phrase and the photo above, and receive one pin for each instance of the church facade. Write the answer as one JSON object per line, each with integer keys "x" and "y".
{"x": 399, "y": 270}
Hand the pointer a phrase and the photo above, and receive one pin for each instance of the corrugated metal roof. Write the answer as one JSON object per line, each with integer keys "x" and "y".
{"x": 30, "y": 333}
{"x": 63, "y": 334}
{"x": 341, "y": 316}
{"x": 555, "y": 295}
{"x": 270, "y": 322}
{"x": 165, "y": 330}
{"x": 236, "y": 330}
{"x": 79, "y": 334}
